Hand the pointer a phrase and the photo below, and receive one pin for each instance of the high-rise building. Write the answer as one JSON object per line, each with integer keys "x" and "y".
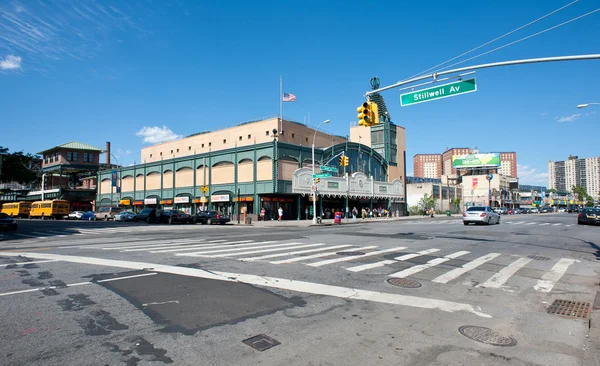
{"x": 508, "y": 164}
{"x": 428, "y": 165}
{"x": 564, "y": 175}
{"x": 447, "y": 168}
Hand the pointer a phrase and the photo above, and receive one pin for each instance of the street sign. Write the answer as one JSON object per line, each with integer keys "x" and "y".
{"x": 438, "y": 92}
{"x": 314, "y": 188}
{"x": 325, "y": 168}
{"x": 204, "y": 189}
{"x": 321, "y": 175}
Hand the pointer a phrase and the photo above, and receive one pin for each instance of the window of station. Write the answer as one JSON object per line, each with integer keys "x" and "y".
{"x": 267, "y": 133}
{"x": 202, "y": 145}
{"x": 161, "y": 153}
{"x": 177, "y": 150}
{"x": 189, "y": 148}
{"x": 293, "y": 135}
{"x": 224, "y": 141}
{"x": 307, "y": 139}
{"x": 209, "y": 144}
{"x": 150, "y": 155}
{"x": 171, "y": 151}
{"x": 240, "y": 138}
{"x": 249, "y": 137}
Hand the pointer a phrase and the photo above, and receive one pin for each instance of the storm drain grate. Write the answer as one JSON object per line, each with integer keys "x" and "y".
{"x": 538, "y": 258}
{"x": 261, "y": 342}
{"x": 404, "y": 282}
{"x": 350, "y": 253}
{"x": 574, "y": 309}
{"x": 487, "y": 336}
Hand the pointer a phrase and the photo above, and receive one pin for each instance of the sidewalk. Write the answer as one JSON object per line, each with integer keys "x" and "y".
{"x": 329, "y": 222}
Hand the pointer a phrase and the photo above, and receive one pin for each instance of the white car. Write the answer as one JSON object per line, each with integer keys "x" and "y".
{"x": 480, "y": 215}
{"x": 75, "y": 215}
{"x": 124, "y": 216}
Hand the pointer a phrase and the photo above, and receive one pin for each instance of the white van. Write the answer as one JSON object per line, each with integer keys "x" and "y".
{"x": 107, "y": 213}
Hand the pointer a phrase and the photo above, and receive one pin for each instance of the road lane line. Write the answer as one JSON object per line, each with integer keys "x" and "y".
{"x": 568, "y": 225}
{"x": 320, "y": 255}
{"x": 262, "y": 251}
{"x": 201, "y": 246}
{"x": 32, "y": 262}
{"x": 364, "y": 267}
{"x": 279, "y": 283}
{"x": 500, "y": 278}
{"x": 432, "y": 263}
{"x": 202, "y": 253}
{"x": 518, "y": 222}
{"x": 558, "y": 224}
{"x": 531, "y": 223}
{"x": 551, "y": 278}
{"x": 250, "y": 259}
{"x": 417, "y": 254}
{"x": 353, "y": 257}
{"x": 25, "y": 235}
{"x": 469, "y": 266}
{"x": 39, "y": 233}
{"x": 544, "y": 224}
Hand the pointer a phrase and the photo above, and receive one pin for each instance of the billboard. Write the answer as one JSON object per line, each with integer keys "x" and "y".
{"x": 476, "y": 160}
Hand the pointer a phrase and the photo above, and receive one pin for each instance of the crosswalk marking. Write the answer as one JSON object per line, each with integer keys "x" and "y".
{"x": 320, "y": 255}
{"x": 352, "y": 257}
{"x": 147, "y": 245}
{"x": 203, "y": 253}
{"x": 544, "y": 224}
{"x": 271, "y": 249}
{"x": 557, "y": 224}
{"x": 432, "y": 263}
{"x": 25, "y": 235}
{"x": 417, "y": 254}
{"x": 500, "y": 278}
{"x": 175, "y": 244}
{"x": 568, "y": 225}
{"x": 457, "y": 272}
{"x": 531, "y": 223}
{"x": 364, "y": 267}
{"x": 194, "y": 246}
{"x": 32, "y": 262}
{"x": 518, "y": 222}
{"x": 549, "y": 279}
{"x": 268, "y": 256}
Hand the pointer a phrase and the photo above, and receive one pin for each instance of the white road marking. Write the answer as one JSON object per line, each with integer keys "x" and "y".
{"x": 272, "y": 282}
{"x": 518, "y": 222}
{"x": 39, "y": 233}
{"x": 262, "y": 251}
{"x": 202, "y": 253}
{"x": 60, "y": 234}
{"x": 164, "y": 245}
{"x": 249, "y": 259}
{"x": 73, "y": 284}
{"x": 320, "y": 255}
{"x": 417, "y": 254}
{"x": 26, "y": 236}
{"x": 353, "y": 257}
{"x": 558, "y": 224}
{"x": 531, "y": 223}
{"x": 568, "y": 225}
{"x": 161, "y": 303}
{"x": 550, "y": 278}
{"x": 544, "y": 224}
{"x": 184, "y": 248}
{"x": 500, "y": 278}
{"x": 32, "y": 262}
{"x": 432, "y": 263}
{"x": 364, "y": 267}
{"x": 457, "y": 272}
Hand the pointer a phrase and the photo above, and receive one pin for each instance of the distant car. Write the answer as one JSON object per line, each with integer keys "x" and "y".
{"x": 534, "y": 210}
{"x": 75, "y": 215}
{"x": 562, "y": 210}
{"x": 125, "y": 216}
{"x": 87, "y": 216}
{"x": 143, "y": 215}
{"x": 176, "y": 217}
{"x": 210, "y": 217}
{"x": 7, "y": 223}
{"x": 107, "y": 213}
{"x": 547, "y": 209}
{"x": 589, "y": 216}
{"x": 501, "y": 210}
{"x": 480, "y": 215}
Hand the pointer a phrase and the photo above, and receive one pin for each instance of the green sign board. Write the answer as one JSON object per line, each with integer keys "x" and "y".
{"x": 333, "y": 185}
{"x": 438, "y": 92}
{"x": 321, "y": 175}
{"x": 325, "y": 168}
{"x": 476, "y": 160}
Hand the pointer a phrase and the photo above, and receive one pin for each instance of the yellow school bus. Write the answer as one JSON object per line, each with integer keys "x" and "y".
{"x": 56, "y": 209}
{"x": 16, "y": 209}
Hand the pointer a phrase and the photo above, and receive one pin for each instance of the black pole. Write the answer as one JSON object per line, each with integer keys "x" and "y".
{"x": 238, "y": 205}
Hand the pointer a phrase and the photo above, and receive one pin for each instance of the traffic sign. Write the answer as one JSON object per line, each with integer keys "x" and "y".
{"x": 204, "y": 189}
{"x": 438, "y": 92}
{"x": 325, "y": 168}
{"x": 321, "y": 175}
{"x": 314, "y": 188}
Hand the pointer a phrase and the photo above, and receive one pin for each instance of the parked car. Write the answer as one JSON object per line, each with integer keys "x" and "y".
{"x": 534, "y": 210}
{"x": 7, "y": 223}
{"x": 75, "y": 215}
{"x": 90, "y": 215}
{"x": 176, "y": 217}
{"x": 589, "y": 216}
{"x": 480, "y": 215}
{"x": 501, "y": 210}
{"x": 107, "y": 213}
{"x": 143, "y": 215}
{"x": 547, "y": 209}
{"x": 210, "y": 217}
{"x": 125, "y": 216}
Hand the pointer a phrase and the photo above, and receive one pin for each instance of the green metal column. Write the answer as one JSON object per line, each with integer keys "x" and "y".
{"x": 192, "y": 204}
{"x": 257, "y": 203}
{"x": 274, "y": 162}
{"x": 160, "y": 196}
{"x": 134, "y": 183}
{"x": 210, "y": 179}
{"x": 235, "y": 209}
{"x": 144, "y": 206}
{"x": 173, "y": 187}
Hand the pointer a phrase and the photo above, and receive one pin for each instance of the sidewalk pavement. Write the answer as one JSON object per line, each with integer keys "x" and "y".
{"x": 329, "y": 222}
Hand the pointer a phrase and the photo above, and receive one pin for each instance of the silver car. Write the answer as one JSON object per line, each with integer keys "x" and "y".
{"x": 124, "y": 216}
{"x": 480, "y": 215}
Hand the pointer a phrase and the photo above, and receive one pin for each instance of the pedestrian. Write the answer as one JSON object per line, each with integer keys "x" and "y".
{"x": 354, "y": 214}
{"x": 262, "y": 214}
{"x": 306, "y": 212}
{"x": 280, "y": 212}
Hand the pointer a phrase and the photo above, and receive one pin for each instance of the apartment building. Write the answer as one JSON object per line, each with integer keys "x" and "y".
{"x": 428, "y": 165}
{"x": 585, "y": 172}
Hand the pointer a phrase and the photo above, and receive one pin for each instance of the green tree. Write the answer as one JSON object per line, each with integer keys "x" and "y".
{"x": 17, "y": 167}
{"x": 427, "y": 202}
{"x": 580, "y": 192}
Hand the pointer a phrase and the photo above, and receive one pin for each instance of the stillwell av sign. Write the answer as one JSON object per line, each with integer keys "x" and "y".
{"x": 438, "y": 92}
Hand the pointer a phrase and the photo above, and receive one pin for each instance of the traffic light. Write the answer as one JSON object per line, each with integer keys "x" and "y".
{"x": 374, "y": 113}
{"x": 317, "y": 180}
{"x": 342, "y": 160}
{"x": 364, "y": 114}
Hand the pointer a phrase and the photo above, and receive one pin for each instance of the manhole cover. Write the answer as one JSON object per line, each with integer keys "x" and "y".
{"x": 404, "y": 282}
{"x": 538, "y": 257}
{"x": 261, "y": 342}
{"x": 350, "y": 253}
{"x": 487, "y": 336}
{"x": 574, "y": 309}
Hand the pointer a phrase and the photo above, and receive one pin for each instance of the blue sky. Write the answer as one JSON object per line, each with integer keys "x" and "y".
{"x": 97, "y": 71}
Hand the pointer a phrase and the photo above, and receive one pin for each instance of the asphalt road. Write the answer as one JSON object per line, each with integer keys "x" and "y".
{"x": 96, "y": 293}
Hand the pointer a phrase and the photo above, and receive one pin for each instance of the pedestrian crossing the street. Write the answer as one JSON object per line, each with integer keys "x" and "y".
{"x": 438, "y": 265}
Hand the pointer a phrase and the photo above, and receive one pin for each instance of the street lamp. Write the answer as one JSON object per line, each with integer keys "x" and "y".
{"x": 586, "y": 105}
{"x": 314, "y": 193}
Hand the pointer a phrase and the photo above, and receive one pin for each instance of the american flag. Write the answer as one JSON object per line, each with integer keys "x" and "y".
{"x": 289, "y": 97}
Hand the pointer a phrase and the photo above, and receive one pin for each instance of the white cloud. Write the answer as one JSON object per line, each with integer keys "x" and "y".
{"x": 10, "y": 62}
{"x": 528, "y": 175}
{"x": 155, "y": 134}
{"x": 544, "y": 114}
{"x": 571, "y": 118}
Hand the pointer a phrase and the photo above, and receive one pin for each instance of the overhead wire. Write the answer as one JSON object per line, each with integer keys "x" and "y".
{"x": 494, "y": 40}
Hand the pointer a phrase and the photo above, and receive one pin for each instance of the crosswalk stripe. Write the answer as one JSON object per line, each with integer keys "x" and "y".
{"x": 549, "y": 279}
{"x": 39, "y": 234}
{"x": 26, "y": 236}
{"x": 171, "y": 245}
{"x": 457, "y": 272}
{"x": 320, "y": 255}
{"x": 364, "y": 267}
{"x": 202, "y": 253}
{"x": 271, "y": 249}
{"x": 432, "y": 263}
{"x": 500, "y": 278}
{"x": 568, "y": 225}
{"x": 518, "y": 222}
{"x": 557, "y": 224}
{"x": 531, "y": 223}
{"x": 544, "y": 224}
{"x": 32, "y": 262}
{"x": 165, "y": 244}
{"x": 249, "y": 259}
{"x": 418, "y": 254}
{"x": 353, "y": 257}
{"x": 201, "y": 246}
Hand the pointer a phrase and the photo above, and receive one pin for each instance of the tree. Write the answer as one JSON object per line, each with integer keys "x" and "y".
{"x": 427, "y": 202}
{"x": 17, "y": 167}
{"x": 551, "y": 190}
{"x": 456, "y": 202}
{"x": 580, "y": 192}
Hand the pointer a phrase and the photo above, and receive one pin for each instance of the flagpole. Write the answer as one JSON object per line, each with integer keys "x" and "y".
{"x": 280, "y": 103}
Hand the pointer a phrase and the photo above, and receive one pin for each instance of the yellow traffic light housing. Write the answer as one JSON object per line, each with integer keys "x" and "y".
{"x": 364, "y": 114}
{"x": 317, "y": 180}
{"x": 374, "y": 109}
{"x": 342, "y": 160}
{"x": 346, "y": 160}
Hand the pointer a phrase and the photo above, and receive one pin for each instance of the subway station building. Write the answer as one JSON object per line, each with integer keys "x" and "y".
{"x": 265, "y": 164}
